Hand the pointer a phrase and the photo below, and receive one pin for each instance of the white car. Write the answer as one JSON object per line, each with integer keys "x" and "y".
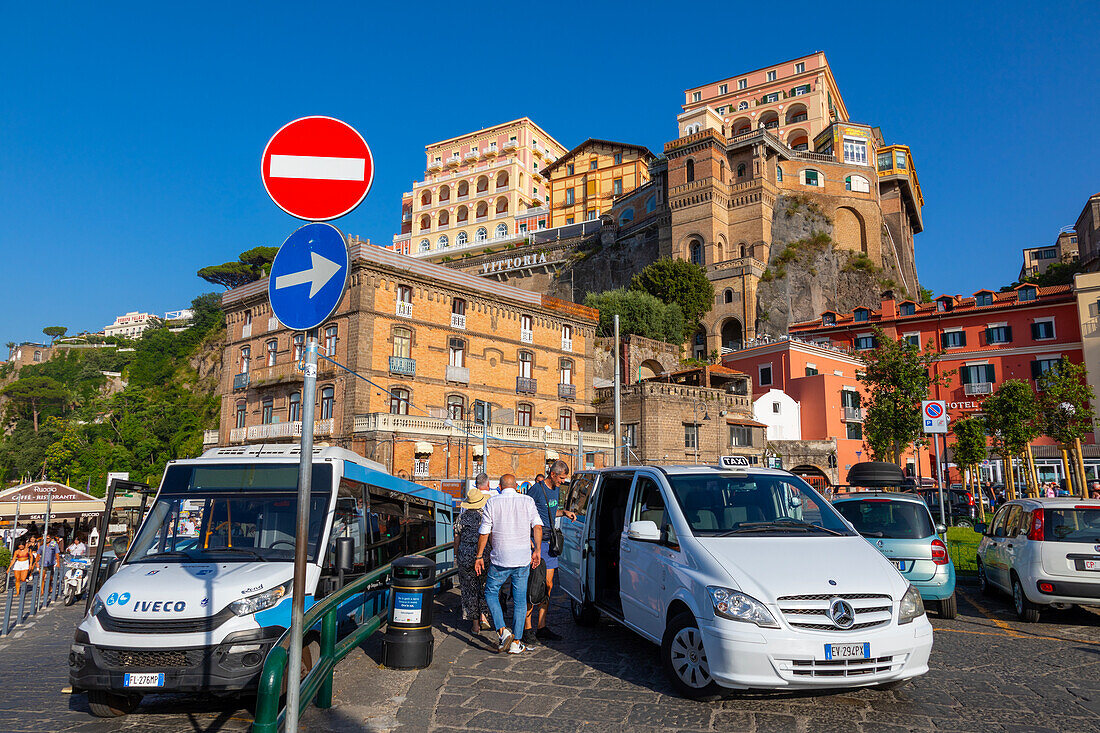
{"x": 1045, "y": 552}
{"x": 747, "y": 578}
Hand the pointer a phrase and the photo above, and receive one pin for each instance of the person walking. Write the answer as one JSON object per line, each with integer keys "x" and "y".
{"x": 545, "y": 495}
{"x": 50, "y": 551}
{"x": 470, "y": 583}
{"x": 21, "y": 566}
{"x": 481, "y": 483}
{"x": 510, "y": 519}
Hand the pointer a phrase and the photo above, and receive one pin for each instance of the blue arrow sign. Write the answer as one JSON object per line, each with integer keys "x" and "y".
{"x": 309, "y": 276}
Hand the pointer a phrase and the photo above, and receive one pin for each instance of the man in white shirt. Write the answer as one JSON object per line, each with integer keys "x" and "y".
{"x": 511, "y": 518}
{"x": 481, "y": 483}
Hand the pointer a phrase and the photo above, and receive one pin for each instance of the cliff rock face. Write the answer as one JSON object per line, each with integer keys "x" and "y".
{"x": 807, "y": 274}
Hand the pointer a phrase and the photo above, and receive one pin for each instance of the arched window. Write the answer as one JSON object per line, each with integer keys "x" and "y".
{"x": 565, "y": 371}
{"x": 425, "y": 223}
{"x": 426, "y": 198}
{"x": 246, "y": 358}
{"x": 463, "y": 189}
{"x": 482, "y": 211}
{"x": 742, "y": 105}
{"x": 402, "y": 342}
{"x": 523, "y": 414}
{"x": 425, "y": 245}
{"x": 294, "y": 410}
{"x": 299, "y": 344}
{"x": 242, "y": 413}
{"x": 729, "y": 295}
{"x": 565, "y": 419}
{"x": 328, "y": 402}
{"x": 456, "y": 349}
{"x": 272, "y": 348}
{"x": 810, "y": 177}
{"x": 462, "y": 215}
{"x": 626, "y": 217}
{"x": 690, "y": 170}
{"x": 779, "y": 174}
{"x": 444, "y": 194}
{"x": 399, "y": 401}
{"x": 481, "y": 234}
{"x": 740, "y": 170}
{"x": 697, "y": 252}
{"x": 267, "y": 411}
{"x": 502, "y": 230}
{"x": 526, "y": 363}
{"x": 460, "y": 240}
{"x": 502, "y": 205}
{"x": 742, "y": 250}
{"x": 651, "y": 205}
{"x": 482, "y": 184}
{"x": 722, "y": 171}
{"x": 858, "y": 184}
{"x": 442, "y": 242}
{"x": 330, "y": 340}
{"x": 502, "y": 181}
{"x": 456, "y": 407}
{"x": 444, "y": 218}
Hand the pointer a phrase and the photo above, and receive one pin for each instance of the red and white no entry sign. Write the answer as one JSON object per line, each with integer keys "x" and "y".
{"x": 317, "y": 168}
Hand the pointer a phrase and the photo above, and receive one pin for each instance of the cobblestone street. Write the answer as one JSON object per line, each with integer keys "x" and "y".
{"x": 989, "y": 673}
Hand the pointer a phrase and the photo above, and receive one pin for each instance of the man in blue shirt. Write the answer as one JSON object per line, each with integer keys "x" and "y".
{"x": 545, "y": 494}
{"x": 49, "y": 560}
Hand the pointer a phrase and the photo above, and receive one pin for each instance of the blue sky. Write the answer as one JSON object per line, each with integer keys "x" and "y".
{"x": 131, "y": 133}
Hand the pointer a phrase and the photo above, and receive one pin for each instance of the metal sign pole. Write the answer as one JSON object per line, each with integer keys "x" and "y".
{"x": 45, "y": 541}
{"x": 305, "y": 480}
{"x": 939, "y": 476}
{"x": 618, "y": 400}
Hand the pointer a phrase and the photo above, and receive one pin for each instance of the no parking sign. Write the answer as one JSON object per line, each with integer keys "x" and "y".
{"x": 934, "y": 416}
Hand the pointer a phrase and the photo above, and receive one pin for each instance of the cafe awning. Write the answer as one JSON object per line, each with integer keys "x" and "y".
{"x": 33, "y": 498}
{"x": 423, "y": 448}
{"x": 551, "y": 455}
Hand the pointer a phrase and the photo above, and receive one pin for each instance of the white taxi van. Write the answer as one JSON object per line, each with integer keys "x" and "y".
{"x": 747, "y": 578}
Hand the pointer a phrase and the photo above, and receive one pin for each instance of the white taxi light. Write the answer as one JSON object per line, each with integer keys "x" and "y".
{"x": 738, "y": 606}
{"x": 260, "y": 601}
{"x": 911, "y": 606}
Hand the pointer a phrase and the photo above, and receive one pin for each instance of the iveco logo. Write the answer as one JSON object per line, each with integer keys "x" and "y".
{"x": 842, "y": 614}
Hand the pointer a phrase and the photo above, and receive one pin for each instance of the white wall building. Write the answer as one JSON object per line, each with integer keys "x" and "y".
{"x": 781, "y": 413}
{"x": 131, "y": 325}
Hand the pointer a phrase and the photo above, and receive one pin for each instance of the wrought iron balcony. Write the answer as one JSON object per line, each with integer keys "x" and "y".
{"x": 403, "y": 365}
{"x": 526, "y": 335}
{"x": 240, "y": 381}
{"x": 567, "y": 391}
{"x": 458, "y": 320}
{"x": 978, "y": 388}
{"x": 526, "y": 385}
{"x": 566, "y": 344}
{"x": 458, "y": 374}
{"x": 404, "y": 308}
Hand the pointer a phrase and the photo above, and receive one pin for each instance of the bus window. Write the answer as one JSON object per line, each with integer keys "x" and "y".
{"x": 385, "y": 529}
{"x": 347, "y": 521}
{"x": 420, "y": 528}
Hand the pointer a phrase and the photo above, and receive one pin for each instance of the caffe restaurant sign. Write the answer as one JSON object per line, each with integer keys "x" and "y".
{"x": 513, "y": 263}
{"x": 42, "y": 490}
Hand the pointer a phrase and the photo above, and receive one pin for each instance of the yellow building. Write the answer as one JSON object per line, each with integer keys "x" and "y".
{"x": 474, "y": 187}
{"x": 585, "y": 181}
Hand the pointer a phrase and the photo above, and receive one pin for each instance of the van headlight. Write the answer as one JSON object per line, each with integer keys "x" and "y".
{"x": 97, "y": 605}
{"x": 911, "y": 606}
{"x": 260, "y": 601}
{"x": 738, "y": 606}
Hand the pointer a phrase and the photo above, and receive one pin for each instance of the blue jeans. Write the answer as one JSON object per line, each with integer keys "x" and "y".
{"x": 494, "y": 582}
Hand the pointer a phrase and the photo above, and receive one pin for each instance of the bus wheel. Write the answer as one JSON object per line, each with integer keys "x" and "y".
{"x": 111, "y": 705}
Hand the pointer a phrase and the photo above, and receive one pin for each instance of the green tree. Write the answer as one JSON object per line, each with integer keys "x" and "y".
{"x": 926, "y": 295}
{"x": 639, "y": 313}
{"x": 681, "y": 282}
{"x": 898, "y": 376}
{"x": 250, "y": 266}
{"x": 260, "y": 259}
{"x": 970, "y": 447}
{"x": 1012, "y": 419}
{"x": 54, "y": 332}
{"x": 62, "y": 455}
{"x": 32, "y": 395}
{"x": 1064, "y": 404}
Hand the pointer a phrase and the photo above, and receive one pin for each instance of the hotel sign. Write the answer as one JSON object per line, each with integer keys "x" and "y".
{"x": 513, "y": 263}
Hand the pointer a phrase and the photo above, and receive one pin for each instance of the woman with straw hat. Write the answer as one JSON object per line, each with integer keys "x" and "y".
{"x": 472, "y": 585}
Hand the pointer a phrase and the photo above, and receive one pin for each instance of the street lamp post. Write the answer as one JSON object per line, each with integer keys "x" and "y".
{"x": 695, "y": 422}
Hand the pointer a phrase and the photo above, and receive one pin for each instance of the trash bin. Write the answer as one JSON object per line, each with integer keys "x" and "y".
{"x": 408, "y": 641}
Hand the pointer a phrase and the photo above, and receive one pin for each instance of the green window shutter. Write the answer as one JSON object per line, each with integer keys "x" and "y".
{"x": 1034, "y": 331}
{"x": 1036, "y": 369}
{"x": 962, "y": 338}
{"x": 964, "y": 375}
{"x": 1008, "y": 334}
{"x": 990, "y": 373}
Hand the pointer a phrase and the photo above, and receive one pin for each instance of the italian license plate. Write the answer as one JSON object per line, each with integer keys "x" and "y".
{"x": 899, "y": 564}
{"x": 857, "y": 650}
{"x": 1092, "y": 564}
{"x": 143, "y": 679}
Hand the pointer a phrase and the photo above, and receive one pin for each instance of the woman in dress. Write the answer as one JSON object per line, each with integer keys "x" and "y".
{"x": 472, "y": 585}
{"x": 21, "y": 566}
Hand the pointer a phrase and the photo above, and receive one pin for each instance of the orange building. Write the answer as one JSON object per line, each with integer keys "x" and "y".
{"x": 585, "y": 181}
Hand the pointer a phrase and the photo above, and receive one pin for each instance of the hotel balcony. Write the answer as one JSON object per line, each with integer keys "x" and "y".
{"x": 274, "y": 431}
{"x": 526, "y": 335}
{"x": 511, "y": 145}
{"x": 566, "y": 344}
{"x": 454, "y": 162}
{"x": 977, "y": 388}
{"x": 471, "y": 155}
{"x": 435, "y": 165}
{"x": 403, "y": 365}
{"x": 567, "y": 391}
{"x": 210, "y": 437}
{"x": 458, "y": 374}
{"x": 853, "y": 414}
{"x": 458, "y": 320}
{"x": 490, "y": 151}
{"x": 526, "y": 385}
{"x": 404, "y": 309}
{"x": 237, "y": 435}
{"x": 459, "y": 429}
{"x": 240, "y": 381}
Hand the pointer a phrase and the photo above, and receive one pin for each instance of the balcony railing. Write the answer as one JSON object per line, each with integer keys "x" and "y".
{"x": 978, "y": 388}
{"x": 240, "y": 381}
{"x": 500, "y": 214}
{"x": 853, "y": 414}
{"x": 404, "y": 308}
{"x": 454, "y": 161}
{"x": 420, "y": 468}
{"x": 526, "y": 385}
{"x": 511, "y": 145}
{"x": 458, "y": 374}
{"x": 567, "y": 391}
{"x": 491, "y": 150}
{"x": 403, "y": 365}
{"x": 209, "y": 437}
{"x": 237, "y": 435}
{"x": 432, "y": 426}
{"x": 567, "y": 344}
{"x": 458, "y": 320}
{"x": 471, "y": 155}
{"x": 284, "y": 430}
{"x": 435, "y": 165}
{"x": 526, "y": 335}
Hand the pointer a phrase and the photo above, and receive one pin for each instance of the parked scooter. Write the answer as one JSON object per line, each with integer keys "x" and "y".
{"x": 76, "y": 578}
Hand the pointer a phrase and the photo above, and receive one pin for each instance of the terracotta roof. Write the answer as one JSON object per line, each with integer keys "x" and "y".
{"x": 744, "y": 421}
{"x": 647, "y": 155}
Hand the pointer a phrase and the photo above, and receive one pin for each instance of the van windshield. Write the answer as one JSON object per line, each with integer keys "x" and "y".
{"x": 720, "y": 505}
{"x": 250, "y": 528}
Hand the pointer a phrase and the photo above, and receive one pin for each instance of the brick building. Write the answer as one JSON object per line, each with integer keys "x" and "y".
{"x": 432, "y": 342}
{"x": 1087, "y": 229}
{"x": 987, "y": 338}
{"x": 1038, "y": 260}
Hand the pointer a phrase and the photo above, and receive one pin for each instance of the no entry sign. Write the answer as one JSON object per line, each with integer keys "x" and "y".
{"x": 317, "y": 168}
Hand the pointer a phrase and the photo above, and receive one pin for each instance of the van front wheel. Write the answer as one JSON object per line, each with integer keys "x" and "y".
{"x": 105, "y": 704}
{"x": 685, "y": 659}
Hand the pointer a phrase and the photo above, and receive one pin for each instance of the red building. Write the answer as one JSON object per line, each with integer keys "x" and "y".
{"x": 987, "y": 338}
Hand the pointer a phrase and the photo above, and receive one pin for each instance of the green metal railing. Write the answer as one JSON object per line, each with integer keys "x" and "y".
{"x": 316, "y": 687}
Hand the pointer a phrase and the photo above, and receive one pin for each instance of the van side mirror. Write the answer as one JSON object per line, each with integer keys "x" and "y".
{"x": 120, "y": 545}
{"x": 345, "y": 554}
{"x": 644, "y": 531}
